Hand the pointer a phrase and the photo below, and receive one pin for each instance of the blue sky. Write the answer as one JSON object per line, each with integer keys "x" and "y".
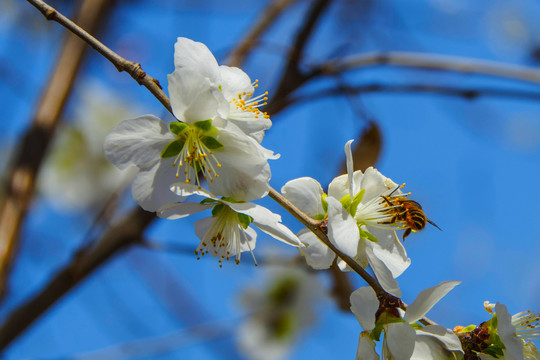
{"x": 472, "y": 164}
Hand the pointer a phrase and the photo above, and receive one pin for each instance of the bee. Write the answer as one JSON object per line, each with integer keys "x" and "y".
{"x": 407, "y": 213}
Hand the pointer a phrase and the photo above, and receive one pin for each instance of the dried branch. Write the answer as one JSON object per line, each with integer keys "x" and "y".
{"x": 432, "y": 62}
{"x": 117, "y": 237}
{"x": 267, "y": 17}
{"x": 121, "y": 64}
{"x": 21, "y": 184}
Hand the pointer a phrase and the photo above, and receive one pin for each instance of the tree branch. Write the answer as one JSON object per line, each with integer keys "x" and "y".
{"x": 268, "y": 16}
{"x": 432, "y": 62}
{"x": 121, "y": 64}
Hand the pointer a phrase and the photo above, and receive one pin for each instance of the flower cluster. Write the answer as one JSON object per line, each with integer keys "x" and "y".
{"x": 215, "y": 140}
{"x": 212, "y": 151}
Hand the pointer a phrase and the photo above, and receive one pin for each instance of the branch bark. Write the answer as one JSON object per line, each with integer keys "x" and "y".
{"x": 21, "y": 184}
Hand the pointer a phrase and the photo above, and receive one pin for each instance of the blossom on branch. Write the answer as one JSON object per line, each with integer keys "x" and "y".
{"x": 227, "y": 233}
{"x": 357, "y": 221}
{"x": 404, "y": 337}
{"x": 201, "y": 146}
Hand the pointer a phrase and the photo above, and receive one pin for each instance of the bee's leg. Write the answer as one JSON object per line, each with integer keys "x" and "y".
{"x": 385, "y": 198}
{"x": 391, "y": 221}
{"x": 406, "y": 233}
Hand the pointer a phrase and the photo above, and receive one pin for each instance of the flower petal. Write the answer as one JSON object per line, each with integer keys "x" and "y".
{"x": 445, "y": 336}
{"x": 192, "y": 96}
{"x": 196, "y": 57}
{"x": 150, "y": 188}
{"x": 389, "y": 250}
{"x": 364, "y": 305}
{"x": 400, "y": 338}
{"x": 306, "y": 194}
{"x": 246, "y": 242}
{"x": 342, "y": 229}
{"x": 318, "y": 255}
{"x": 234, "y": 81}
{"x": 366, "y": 348}
{"x": 507, "y": 332}
{"x": 383, "y": 274}
{"x": 350, "y": 167}
{"x": 339, "y": 187}
{"x": 427, "y": 299}
{"x": 137, "y": 142}
{"x": 376, "y": 184}
{"x": 178, "y": 211}
{"x": 267, "y": 221}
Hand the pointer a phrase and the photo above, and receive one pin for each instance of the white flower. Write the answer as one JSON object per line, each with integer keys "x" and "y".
{"x": 515, "y": 332}
{"x": 76, "y": 176}
{"x": 278, "y": 313}
{"x": 401, "y": 340}
{"x": 227, "y": 233}
{"x": 234, "y": 164}
{"x": 235, "y": 95}
{"x": 356, "y": 227}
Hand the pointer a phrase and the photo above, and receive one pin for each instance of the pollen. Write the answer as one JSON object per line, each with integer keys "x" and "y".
{"x": 245, "y": 107}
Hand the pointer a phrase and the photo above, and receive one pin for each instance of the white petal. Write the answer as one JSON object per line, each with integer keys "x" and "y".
{"x": 364, "y": 305}
{"x": 342, "y": 229}
{"x": 245, "y": 243}
{"x": 376, "y": 184}
{"x": 245, "y": 172}
{"x": 383, "y": 274}
{"x": 150, "y": 188}
{"x": 182, "y": 189}
{"x": 267, "y": 221}
{"x": 306, "y": 194}
{"x": 350, "y": 167}
{"x": 234, "y": 81}
{"x": 389, "y": 250}
{"x": 196, "y": 57}
{"x": 339, "y": 187}
{"x": 427, "y": 299}
{"x": 318, "y": 255}
{"x": 193, "y": 98}
{"x": 446, "y": 337}
{"x": 507, "y": 332}
{"x": 400, "y": 339}
{"x": 137, "y": 142}
{"x": 178, "y": 211}
{"x": 428, "y": 348}
{"x": 366, "y": 348}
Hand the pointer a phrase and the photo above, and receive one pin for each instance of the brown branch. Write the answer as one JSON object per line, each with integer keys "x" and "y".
{"x": 432, "y": 62}
{"x": 267, "y": 17}
{"x": 117, "y": 237}
{"x": 21, "y": 184}
{"x": 121, "y": 64}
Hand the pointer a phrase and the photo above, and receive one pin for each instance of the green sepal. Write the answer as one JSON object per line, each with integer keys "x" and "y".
{"x": 220, "y": 88}
{"x": 375, "y": 334}
{"x": 416, "y": 326}
{"x": 216, "y": 210}
{"x": 367, "y": 235}
{"x": 244, "y": 220}
{"x": 356, "y": 201}
{"x": 346, "y": 201}
{"x": 208, "y": 201}
{"x": 204, "y": 125}
{"x": 494, "y": 350}
{"x": 320, "y": 217}
{"x": 324, "y": 203}
{"x": 177, "y": 127}
{"x": 467, "y": 328}
{"x": 386, "y": 318}
{"x": 172, "y": 149}
{"x": 211, "y": 142}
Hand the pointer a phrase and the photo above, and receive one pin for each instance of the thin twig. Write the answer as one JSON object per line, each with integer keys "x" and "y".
{"x": 432, "y": 62}
{"x": 121, "y": 64}
{"x": 267, "y": 18}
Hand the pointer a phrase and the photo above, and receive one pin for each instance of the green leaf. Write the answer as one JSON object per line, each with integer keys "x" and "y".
{"x": 177, "y": 127}
{"x": 468, "y": 328}
{"x": 356, "y": 201}
{"x": 216, "y": 210}
{"x": 244, "y": 220}
{"x": 172, "y": 149}
{"x": 211, "y": 142}
{"x": 204, "y": 125}
{"x": 375, "y": 334}
{"x": 416, "y": 326}
{"x": 346, "y": 201}
{"x": 208, "y": 201}
{"x": 324, "y": 203}
{"x": 367, "y": 235}
{"x": 494, "y": 350}
{"x": 320, "y": 217}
